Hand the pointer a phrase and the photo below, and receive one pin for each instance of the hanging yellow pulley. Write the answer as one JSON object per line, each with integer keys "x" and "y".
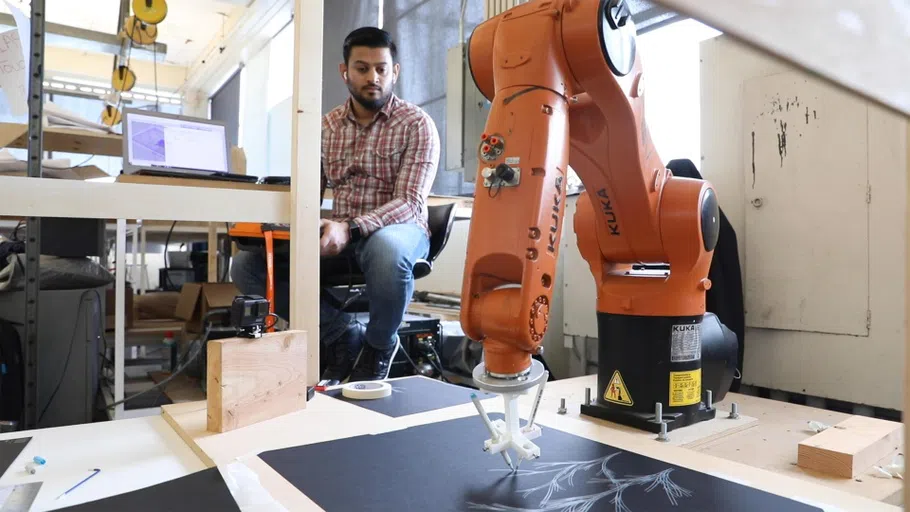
{"x": 110, "y": 116}
{"x": 150, "y": 11}
{"x": 123, "y": 78}
{"x": 139, "y": 31}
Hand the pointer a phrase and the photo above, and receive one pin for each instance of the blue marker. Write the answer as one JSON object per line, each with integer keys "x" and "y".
{"x": 86, "y": 479}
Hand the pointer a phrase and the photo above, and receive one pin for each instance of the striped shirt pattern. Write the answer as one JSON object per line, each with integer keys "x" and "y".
{"x": 381, "y": 173}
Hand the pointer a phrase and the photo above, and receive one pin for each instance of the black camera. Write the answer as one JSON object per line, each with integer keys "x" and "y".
{"x": 248, "y": 314}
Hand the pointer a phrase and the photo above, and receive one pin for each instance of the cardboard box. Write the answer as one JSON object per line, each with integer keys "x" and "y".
{"x": 197, "y": 299}
{"x": 110, "y": 298}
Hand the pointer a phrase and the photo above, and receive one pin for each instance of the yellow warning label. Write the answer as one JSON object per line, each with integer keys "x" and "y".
{"x": 616, "y": 391}
{"x": 685, "y": 388}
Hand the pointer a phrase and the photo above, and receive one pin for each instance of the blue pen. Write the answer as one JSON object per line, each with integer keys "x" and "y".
{"x": 86, "y": 479}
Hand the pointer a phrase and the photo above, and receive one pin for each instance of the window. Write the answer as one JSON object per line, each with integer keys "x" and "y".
{"x": 671, "y": 85}
{"x": 280, "y": 82}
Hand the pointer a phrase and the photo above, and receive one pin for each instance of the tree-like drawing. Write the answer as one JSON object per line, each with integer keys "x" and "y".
{"x": 565, "y": 472}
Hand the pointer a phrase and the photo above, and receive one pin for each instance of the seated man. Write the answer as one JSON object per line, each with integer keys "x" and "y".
{"x": 380, "y": 155}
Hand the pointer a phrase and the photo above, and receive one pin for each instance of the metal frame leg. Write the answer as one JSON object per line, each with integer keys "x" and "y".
{"x": 143, "y": 268}
{"x": 33, "y": 224}
{"x": 270, "y": 273}
{"x": 119, "y": 316}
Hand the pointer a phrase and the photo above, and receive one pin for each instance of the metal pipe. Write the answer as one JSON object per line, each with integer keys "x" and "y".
{"x": 464, "y": 5}
{"x": 543, "y": 382}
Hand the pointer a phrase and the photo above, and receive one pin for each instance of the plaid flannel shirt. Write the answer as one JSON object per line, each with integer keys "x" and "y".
{"x": 381, "y": 173}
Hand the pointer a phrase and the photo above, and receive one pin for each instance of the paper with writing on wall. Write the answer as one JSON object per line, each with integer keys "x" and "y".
{"x": 23, "y": 26}
{"x": 13, "y": 70}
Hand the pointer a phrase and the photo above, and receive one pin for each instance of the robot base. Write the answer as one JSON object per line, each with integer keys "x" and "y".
{"x": 638, "y": 358}
{"x": 645, "y": 420}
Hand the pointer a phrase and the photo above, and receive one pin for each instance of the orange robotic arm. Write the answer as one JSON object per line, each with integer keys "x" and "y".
{"x": 566, "y": 86}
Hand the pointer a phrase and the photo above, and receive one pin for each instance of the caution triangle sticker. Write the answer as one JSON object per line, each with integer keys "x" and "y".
{"x": 617, "y": 392}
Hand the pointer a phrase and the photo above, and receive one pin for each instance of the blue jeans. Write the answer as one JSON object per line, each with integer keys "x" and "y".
{"x": 386, "y": 258}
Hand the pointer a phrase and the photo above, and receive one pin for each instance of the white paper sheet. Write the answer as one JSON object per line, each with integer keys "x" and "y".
{"x": 19, "y": 100}
{"x": 13, "y": 70}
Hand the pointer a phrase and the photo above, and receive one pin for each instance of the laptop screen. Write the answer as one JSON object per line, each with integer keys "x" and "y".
{"x": 164, "y": 142}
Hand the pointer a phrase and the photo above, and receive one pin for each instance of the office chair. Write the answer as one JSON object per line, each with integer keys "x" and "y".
{"x": 345, "y": 282}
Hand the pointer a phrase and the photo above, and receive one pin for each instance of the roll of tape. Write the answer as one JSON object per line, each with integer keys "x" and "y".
{"x": 366, "y": 390}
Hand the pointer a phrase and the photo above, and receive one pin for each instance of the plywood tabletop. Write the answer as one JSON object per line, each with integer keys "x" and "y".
{"x": 773, "y": 445}
{"x": 326, "y": 419}
{"x": 770, "y": 443}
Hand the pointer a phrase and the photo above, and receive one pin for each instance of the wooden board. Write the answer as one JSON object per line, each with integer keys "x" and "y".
{"x": 69, "y": 140}
{"x": 573, "y": 391}
{"x": 181, "y": 389}
{"x": 253, "y": 380}
{"x": 203, "y": 183}
{"x": 323, "y": 419}
{"x": 326, "y": 419}
{"x": 772, "y": 445}
{"x": 851, "y": 447}
{"x": 94, "y": 200}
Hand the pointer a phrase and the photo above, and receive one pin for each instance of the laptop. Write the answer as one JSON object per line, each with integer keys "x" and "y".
{"x": 158, "y": 144}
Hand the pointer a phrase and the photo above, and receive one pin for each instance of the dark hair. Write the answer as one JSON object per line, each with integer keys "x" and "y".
{"x": 370, "y": 37}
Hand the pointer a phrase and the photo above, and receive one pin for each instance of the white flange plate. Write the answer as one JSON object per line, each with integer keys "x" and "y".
{"x": 518, "y": 384}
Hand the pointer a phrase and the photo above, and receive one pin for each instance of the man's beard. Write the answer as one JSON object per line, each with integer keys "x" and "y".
{"x": 369, "y": 103}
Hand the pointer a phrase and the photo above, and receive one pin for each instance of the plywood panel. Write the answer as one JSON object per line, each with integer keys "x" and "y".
{"x": 807, "y": 217}
{"x": 253, "y": 380}
{"x": 851, "y": 447}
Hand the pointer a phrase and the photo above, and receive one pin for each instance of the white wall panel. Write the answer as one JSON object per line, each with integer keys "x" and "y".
{"x": 848, "y": 367}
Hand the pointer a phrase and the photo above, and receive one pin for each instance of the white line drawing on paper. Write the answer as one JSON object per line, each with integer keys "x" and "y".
{"x": 565, "y": 472}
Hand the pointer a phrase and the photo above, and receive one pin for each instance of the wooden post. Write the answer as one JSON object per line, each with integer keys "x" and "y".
{"x": 251, "y": 380}
{"x": 306, "y": 130}
{"x": 906, "y": 377}
{"x": 213, "y": 253}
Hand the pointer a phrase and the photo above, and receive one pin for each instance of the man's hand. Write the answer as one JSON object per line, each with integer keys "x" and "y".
{"x": 335, "y": 237}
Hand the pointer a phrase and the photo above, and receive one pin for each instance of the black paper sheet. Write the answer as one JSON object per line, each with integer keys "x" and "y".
{"x": 10, "y": 450}
{"x": 413, "y": 395}
{"x": 202, "y": 490}
{"x": 442, "y": 467}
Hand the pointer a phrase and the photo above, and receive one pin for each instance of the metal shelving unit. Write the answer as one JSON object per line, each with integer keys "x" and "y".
{"x": 34, "y": 196}
{"x": 33, "y": 224}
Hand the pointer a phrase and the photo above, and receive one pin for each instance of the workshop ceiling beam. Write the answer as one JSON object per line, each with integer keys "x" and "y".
{"x": 861, "y": 47}
{"x": 82, "y": 39}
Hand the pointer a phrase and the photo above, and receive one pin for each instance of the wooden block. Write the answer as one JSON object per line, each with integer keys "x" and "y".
{"x": 850, "y": 447}
{"x": 253, "y": 380}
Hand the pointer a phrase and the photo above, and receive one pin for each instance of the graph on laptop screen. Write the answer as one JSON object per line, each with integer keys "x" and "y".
{"x": 158, "y": 142}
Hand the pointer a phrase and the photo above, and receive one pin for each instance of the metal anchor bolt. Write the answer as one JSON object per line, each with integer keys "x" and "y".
{"x": 662, "y": 437}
